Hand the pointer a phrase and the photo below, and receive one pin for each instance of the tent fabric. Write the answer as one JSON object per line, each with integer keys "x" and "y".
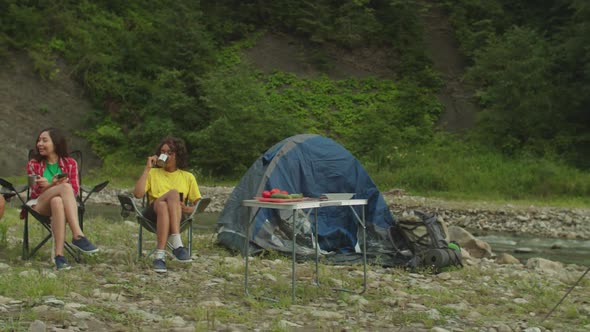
{"x": 311, "y": 165}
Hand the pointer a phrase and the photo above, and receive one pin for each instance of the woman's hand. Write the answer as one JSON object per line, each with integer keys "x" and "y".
{"x": 186, "y": 209}
{"x": 59, "y": 180}
{"x": 42, "y": 182}
{"x": 151, "y": 161}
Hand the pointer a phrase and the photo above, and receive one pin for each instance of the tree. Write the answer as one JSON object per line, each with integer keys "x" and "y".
{"x": 513, "y": 73}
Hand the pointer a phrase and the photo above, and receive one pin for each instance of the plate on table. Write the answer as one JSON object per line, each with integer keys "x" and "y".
{"x": 338, "y": 196}
{"x": 280, "y": 200}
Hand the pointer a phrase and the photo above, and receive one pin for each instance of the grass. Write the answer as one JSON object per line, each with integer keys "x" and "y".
{"x": 454, "y": 170}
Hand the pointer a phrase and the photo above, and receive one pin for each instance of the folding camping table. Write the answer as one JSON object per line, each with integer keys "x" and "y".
{"x": 311, "y": 205}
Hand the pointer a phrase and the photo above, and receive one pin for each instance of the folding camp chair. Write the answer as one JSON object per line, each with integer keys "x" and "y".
{"x": 130, "y": 206}
{"x": 83, "y": 195}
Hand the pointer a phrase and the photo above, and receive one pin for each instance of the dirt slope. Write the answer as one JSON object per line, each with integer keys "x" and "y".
{"x": 29, "y": 104}
{"x": 443, "y": 49}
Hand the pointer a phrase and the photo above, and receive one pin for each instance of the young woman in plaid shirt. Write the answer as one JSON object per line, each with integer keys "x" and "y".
{"x": 54, "y": 194}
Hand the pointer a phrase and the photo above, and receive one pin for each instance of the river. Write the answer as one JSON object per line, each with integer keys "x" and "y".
{"x": 112, "y": 213}
{"x": 569, "y": 251}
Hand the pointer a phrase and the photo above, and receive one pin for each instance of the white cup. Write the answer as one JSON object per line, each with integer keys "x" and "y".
{"x": 162, "y": 160}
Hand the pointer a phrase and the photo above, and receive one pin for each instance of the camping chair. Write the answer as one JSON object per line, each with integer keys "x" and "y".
{"x": 83, "y": 195}
{"x": 130, "y": 206}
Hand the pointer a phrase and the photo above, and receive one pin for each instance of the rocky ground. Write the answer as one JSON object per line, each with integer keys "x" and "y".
{"x": 113, "y": 292}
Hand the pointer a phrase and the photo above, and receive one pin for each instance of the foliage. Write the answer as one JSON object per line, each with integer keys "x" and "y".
{"x": 242, "y": 122}
{"x": 513, "y": 73}
{"x": 530, "y": 65}
{"x": 347, "y": 23}
{"x": 251, "y": 112}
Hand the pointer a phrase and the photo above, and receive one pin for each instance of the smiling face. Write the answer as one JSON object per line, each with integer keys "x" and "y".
{"x": 45, "y": 146}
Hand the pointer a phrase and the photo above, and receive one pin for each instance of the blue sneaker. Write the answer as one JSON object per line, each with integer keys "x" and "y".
{"x": 159, "y": 265}
{"x": 181, "y": 255}
{"x": 84, "y": 245}
{"x": 61, "y": 263}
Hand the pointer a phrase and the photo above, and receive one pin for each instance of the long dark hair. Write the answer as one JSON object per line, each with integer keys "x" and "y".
{"x": 177, "y": 146}
{"x": 59, "y": 144}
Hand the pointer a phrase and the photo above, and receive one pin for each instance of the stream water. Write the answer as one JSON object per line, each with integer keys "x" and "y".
{"x": 523, "y": 247}
{"x": 562, "y": 250}
{"x": 112, "y": 213}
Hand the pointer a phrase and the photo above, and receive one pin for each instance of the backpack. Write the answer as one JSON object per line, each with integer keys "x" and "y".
{"x": 425, "y": 235}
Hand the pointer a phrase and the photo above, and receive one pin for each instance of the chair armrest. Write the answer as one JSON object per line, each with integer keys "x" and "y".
{"x": 128, "y": 205}
{"x": 8, "y": 190}
{"x": 199, "y": 208}
{"x": 94, "y": 189}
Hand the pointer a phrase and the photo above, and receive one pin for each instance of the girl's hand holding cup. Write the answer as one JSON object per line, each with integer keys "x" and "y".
{"x": 151, "y": 161}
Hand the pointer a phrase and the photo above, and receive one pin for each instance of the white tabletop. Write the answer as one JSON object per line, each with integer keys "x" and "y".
{"x": 305, "y": 204}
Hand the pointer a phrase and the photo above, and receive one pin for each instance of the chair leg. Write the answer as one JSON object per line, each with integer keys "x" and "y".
{"x": 75, "y": 253}
{"x": 139, "y": 242}
{"x": 190, "y": 238}
{"x": 34, "y": 251}
{"x": 81, "y": 210}
{"x": 25, "y": 253}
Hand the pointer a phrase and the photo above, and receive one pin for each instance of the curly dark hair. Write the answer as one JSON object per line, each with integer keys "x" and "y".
{"x": 178, "y": 147}
{"x": 59, "y": 143}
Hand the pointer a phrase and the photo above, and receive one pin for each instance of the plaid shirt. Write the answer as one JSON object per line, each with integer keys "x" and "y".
{"x": 67, "y": 165}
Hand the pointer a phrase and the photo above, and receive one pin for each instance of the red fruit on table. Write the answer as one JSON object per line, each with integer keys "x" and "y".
{"x": 266, "y": 194}
{"x": 284, "y": 192}
{"x": 275, "y": 191}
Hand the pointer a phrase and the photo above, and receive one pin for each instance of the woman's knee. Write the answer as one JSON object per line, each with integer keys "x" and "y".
{"x": 160, "y": 206}
{"x": 66, "y": 188}
{"x": 56, "y": 202}
{"x": 172, "y": 195}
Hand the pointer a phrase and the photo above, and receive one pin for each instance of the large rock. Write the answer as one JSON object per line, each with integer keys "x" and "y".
{"x": 476, "y": 248}
{"x": 542, "y": 264}
{"x": 505, "y": 258}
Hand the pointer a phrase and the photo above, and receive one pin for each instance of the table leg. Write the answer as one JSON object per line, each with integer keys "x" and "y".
{"x": 364, "y": 251}
{"x": 293, "y": 261}
{"x": 247, "y": 253}
{"x": 247, "y": 249}
{"x": 317, "y": 249}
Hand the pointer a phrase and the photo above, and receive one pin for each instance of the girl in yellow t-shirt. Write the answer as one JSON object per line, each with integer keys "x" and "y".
{"x": 167, "y": 187}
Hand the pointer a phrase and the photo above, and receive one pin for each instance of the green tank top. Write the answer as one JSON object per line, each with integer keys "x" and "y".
{"x": 50, "y": 171}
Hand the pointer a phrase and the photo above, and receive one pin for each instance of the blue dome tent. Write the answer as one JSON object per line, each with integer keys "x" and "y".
{"x": 311, "y": 165}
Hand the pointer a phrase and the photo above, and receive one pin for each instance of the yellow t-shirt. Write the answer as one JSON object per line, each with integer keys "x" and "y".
{"x": 159, "y": 182}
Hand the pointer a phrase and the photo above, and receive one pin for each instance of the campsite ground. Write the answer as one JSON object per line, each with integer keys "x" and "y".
{"x": 110, "y": 291}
